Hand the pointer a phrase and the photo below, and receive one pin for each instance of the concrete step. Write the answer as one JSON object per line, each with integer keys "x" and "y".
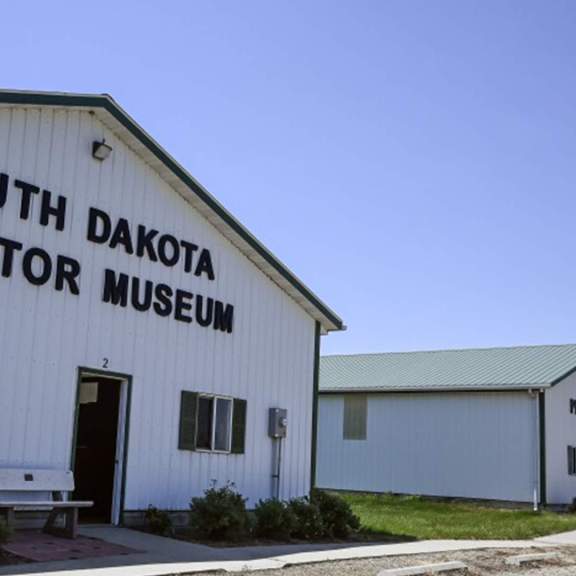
{"x": 527, "y": 558}
{"x": 425, "y": 569}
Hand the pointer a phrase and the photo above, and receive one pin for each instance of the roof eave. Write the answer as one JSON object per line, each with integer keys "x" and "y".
{"x": 514, "y": 388}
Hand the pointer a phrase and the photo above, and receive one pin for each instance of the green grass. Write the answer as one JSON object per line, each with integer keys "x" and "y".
{"x": 416, "y": 517}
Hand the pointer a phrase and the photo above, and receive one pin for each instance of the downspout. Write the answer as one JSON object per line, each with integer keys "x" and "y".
{"x": 315, "y": 404}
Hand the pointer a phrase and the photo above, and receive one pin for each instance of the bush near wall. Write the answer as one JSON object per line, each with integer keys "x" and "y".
{"x": 309, "y": 524}
{"x": 158, "y": 521}
{"x": 323, "y": 515}
{"x": 219, "y": 515}
{"x": 337, "y": 517}
{"x": 274, "y": 519}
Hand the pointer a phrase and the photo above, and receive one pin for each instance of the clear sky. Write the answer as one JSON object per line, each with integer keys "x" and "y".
{"x": 413, "y": 161}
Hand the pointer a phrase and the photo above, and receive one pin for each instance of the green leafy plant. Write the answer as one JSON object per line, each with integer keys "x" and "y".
{"x": 274, "y": 519}
{"x": 309, "y": 525}
{"x": 337, "y": 517}
{"x": 219, "y": 515}
{"x": 158, "y": 521}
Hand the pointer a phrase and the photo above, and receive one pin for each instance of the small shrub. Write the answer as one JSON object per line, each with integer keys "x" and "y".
{"x": 337, "y": 516}
{"x": 219, "y": 515}
{"x": 158, "y": 521}
{"x": 309, "y": 524}
{"x": 274, "y": 519}
{"x": 4, "y": 531}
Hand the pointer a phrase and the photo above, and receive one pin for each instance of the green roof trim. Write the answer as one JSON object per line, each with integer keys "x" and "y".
{"x": 106, "y": 102}
{"x": 517, "y": 368}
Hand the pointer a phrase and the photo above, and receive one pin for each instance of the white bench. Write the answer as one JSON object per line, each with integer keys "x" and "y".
{"x": 25, "y": 489}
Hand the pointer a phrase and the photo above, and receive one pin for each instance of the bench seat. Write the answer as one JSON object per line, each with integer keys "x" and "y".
{"x": 45, "y": 504}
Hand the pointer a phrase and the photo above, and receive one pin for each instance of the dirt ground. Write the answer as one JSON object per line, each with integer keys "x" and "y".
{"x": 479, "y": 562}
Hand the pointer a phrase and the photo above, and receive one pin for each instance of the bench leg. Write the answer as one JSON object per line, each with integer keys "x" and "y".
{"x": 70, "y": 529}
{"x": 49, "y": 526}
{"x": 10, "y": 515}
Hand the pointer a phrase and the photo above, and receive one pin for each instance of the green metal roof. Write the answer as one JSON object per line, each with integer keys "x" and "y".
{"x": 475, "y": 369}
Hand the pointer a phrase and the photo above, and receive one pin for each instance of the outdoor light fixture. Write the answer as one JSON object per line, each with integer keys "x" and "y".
{"x": 101, "y": 150}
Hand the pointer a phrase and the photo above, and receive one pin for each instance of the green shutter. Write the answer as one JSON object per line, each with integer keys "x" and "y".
{"x": 239, "y": 426}
{"x": 188, "y": 412}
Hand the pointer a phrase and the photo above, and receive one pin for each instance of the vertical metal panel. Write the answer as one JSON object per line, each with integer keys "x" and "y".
{"x": 473, "y": 445}
{"x": 45, "y": 335}
{"x": 560, "y": 433}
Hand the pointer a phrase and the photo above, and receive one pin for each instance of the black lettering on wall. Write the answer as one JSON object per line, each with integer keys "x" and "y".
{"x": 115, "y": 288}
{"x": 28, "y": 266}
{"x": 163, "y": 305}
{"x": 10, "y": 246}
{"x": 183, "y": 304}
{"x": 205, "y": 265}
{"x": 141, "y": 304}
{"x": 189, "y": 250}
{"x": 170, "y": 256}
{"x": 26, "y": 200}
{"x": 122, "y": 236}
{"x": 204, "y": 314}
{"x": 58, "y": 211}
{"x": 149, "y": 242}
{"x": 144, "y": 243}
{"x": 99, "y": 226}
{"x": 119, "y": 289}
{"x": 67, "y": 272}
{"x": 223, "y": 317}
{"x": 572, "y": 406}
{"x": 3, "y": 189}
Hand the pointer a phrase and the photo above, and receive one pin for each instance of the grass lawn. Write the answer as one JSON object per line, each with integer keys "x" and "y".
{"x": 415, "y": 517}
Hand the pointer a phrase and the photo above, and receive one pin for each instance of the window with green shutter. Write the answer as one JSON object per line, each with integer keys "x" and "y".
{"x": 212, "y": 423}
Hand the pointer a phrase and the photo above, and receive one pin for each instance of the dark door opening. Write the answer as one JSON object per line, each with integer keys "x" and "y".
{"x": 96, "y": 449}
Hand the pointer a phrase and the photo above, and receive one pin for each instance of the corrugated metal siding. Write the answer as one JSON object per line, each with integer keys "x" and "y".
{"x": 45, "y": 335}
{"x": 480, "y": 445}
{"x": 489, "y": 368}
{"x": 560, "y": 433}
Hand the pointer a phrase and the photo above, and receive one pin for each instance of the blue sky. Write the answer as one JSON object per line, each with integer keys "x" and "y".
{"x": 413, "y": 161}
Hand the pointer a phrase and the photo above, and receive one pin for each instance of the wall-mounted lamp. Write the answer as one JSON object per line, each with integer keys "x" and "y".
{"x": 101, "y": 150}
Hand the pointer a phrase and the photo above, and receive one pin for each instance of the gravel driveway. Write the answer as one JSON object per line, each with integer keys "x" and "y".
{"x": 480, "y": 562}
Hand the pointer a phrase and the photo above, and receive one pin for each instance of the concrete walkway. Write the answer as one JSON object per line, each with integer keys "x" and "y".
{"x": 165, "y": 556}
{"x": 563, "y": 539}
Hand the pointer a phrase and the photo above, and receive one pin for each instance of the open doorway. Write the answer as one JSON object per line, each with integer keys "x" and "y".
{"x": 101, "y": 415}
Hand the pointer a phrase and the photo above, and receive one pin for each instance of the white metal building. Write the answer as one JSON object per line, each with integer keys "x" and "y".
{"x": 496, "y": 424}
{"x": 144, "y": 332}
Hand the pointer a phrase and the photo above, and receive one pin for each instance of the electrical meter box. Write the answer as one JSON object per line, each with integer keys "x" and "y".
{"x": 278, "y": 423}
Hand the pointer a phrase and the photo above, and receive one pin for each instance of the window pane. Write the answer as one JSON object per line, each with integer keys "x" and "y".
{"x": 204, "y": 434}
{"x": 88, "y": 393}
{"x": 222, "y": 438}
{"x": 355, "y": 416}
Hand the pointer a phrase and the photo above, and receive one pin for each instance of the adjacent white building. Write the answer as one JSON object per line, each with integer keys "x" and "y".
{"x": 144, "y": 332}
{"x": 495, "y": 424}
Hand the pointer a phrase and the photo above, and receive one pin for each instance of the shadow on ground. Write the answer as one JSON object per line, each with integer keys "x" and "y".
{"x": 107, "y": 548}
